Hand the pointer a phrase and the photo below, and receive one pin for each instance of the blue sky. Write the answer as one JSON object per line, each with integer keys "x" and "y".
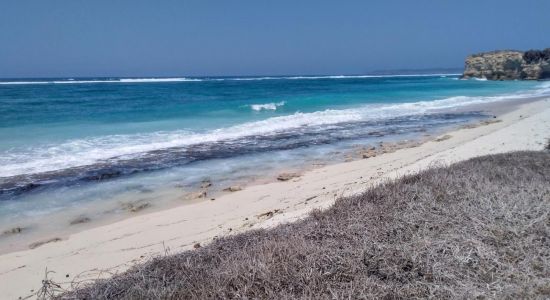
{"x": 59, "y": 38}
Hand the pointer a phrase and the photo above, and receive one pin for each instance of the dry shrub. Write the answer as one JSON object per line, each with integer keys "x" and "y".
{"x": 476, "y": 229}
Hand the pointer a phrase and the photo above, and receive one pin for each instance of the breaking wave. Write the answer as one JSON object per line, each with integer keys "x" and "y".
{"x": 199, "y": 79}
{"x": 266, "y": 106}
{"x": 118, "y": 80}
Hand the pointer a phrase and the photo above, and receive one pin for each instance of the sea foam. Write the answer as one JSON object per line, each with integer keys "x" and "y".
{"x": 118, "y": 80}
{"x": 267, "y": 106}
{"x": 189, "y": 79}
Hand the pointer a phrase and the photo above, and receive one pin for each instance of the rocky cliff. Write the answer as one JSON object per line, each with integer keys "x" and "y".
{"x": 509, "y": 65}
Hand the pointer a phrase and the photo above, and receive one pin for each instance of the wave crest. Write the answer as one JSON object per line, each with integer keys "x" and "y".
{"x": 186, "y": 79}
{"x": 267, "y": 106}
{"x": 119, "y": 80}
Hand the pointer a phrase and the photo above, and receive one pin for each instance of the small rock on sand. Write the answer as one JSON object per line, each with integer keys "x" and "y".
{"x": 234, "y": 188}
{"x": 40, "y": 243}
{"x": 197, "y": 245}
{"x": 443, "y": 138}
{"x": 388, "y": 147}
{"x": 368, "y": 154}
{"x": 482, "y": 123}
{"x": 287, "y": 176}
{"x": 487, "y": 122}
{"x": 311, "y": 198}
{"x": 268, "y": 215}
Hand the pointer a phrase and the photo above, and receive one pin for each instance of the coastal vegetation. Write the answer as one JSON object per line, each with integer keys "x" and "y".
{"x": 535, "y": 56}
{"x": 477, "y": 228}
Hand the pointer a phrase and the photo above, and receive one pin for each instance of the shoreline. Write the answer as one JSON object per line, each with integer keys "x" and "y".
{"x": 24, "y": 235}
{"x": 20, "y": 234}
{"x": 117, "y": 246}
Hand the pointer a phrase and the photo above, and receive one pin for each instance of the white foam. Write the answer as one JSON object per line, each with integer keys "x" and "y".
{"x": 185, "y": 79}
{"x": 121, "y": 80}
{"x": 337, "y": 76}
{"x": 24, "y": 82}
{"x": 266, "y": 106}
{"x": 144, "y": 80}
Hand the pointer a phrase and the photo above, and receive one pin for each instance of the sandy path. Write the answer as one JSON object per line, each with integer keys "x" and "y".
{"x": 117, "y": 246}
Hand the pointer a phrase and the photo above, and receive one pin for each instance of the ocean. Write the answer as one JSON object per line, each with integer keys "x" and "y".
{"x": 86, "y": 146}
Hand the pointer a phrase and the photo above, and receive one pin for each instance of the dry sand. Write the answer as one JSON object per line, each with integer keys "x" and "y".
{"x": 105, "y": 250}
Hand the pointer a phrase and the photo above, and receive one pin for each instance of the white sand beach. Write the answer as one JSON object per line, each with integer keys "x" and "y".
{"x": 106, "y": 250}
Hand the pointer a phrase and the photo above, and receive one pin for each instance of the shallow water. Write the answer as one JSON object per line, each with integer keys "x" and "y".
{"x": 71, "y": 147}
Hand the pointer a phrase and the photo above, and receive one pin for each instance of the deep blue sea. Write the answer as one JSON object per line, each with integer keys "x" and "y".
{"x": 66, "y": 143}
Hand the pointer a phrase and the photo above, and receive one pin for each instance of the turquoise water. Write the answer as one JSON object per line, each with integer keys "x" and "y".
{"x": 65, "y": 142}
{"x": 36, "y": 114}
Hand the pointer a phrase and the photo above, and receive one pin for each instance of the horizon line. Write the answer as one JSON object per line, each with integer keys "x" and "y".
{"x": 398, "y": 72}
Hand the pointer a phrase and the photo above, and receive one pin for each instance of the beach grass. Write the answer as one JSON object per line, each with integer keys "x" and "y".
{"x": 478, "y": 228}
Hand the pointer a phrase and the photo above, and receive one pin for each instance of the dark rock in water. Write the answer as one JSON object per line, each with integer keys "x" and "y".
{"x": 509, "y": 65}
{"x": 15, "y": 230}
{"x": 105, "y": 175}
{"x": 206, "y": 184}
{"x": 376, "y": 133}
{"x": 135, "y": 206}
{"x": 199, "y": 194}
{"x": 80, "y": 220}
{"x": 30, "y": 186}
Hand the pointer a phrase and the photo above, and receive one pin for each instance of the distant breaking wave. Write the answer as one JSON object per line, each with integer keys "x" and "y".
{"x": 119, "y": 80}
{"x": 267, "y": 106}
{"x": 333, "y": 77}
{"x": 142, "y": 80}
{"x": 186, "y": 79}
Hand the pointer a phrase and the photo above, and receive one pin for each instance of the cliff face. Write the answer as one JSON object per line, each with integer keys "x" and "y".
{"x": 509, "y": 65}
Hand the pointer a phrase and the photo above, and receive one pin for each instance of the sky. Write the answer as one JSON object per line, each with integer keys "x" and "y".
{"x": 78, "y": 38}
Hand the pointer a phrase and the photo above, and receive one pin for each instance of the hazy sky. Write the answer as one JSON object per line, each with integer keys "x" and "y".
{"x": 49, "y": 38}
